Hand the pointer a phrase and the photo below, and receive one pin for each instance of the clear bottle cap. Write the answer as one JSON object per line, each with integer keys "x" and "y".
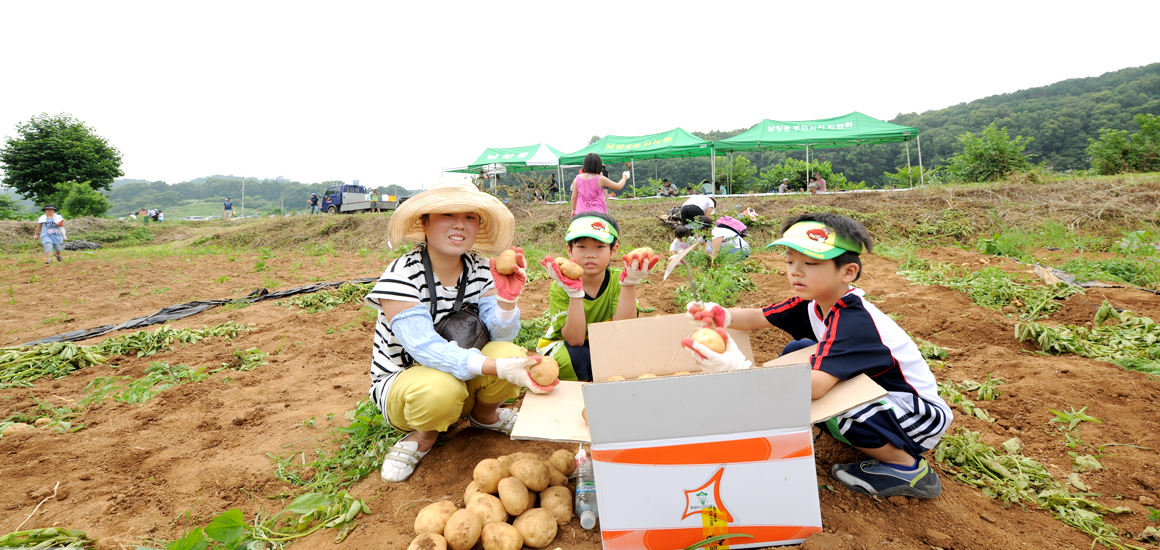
{"x": 587, "y": 520}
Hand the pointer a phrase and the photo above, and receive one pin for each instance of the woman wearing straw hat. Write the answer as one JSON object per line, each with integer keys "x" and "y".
{"x": 50, "y": 231}
{"x": 421, "y": 382}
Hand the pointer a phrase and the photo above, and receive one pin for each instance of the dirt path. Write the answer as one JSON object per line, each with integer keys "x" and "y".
{"x": 201, "y": 448}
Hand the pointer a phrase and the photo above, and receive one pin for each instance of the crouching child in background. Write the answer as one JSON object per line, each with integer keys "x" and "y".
{"x": 850, "y": 336}
{"x": 599, "y": 294}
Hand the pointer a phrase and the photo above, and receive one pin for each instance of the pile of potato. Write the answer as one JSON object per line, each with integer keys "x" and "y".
{"x": 504, "y": 488}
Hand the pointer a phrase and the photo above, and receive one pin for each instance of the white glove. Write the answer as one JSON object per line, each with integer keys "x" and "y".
{"x": 711, "y": 361}
{"x": 515, "y": 370}
{"x": 708, "y": 314}
{"x": 572, "y": 287}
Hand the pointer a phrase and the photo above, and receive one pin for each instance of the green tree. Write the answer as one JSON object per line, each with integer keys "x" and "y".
{"x": 54, "y": 149}
{"x": 740, "y": 172}
{"x": 9, "y": 209}
{"x": 799, "y": 174}
{"x": 990, "y": 156}
{"x": 1117, "y": 151}
{"x": 80, "y": 199}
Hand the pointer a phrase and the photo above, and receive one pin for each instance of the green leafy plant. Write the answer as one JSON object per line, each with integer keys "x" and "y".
{"x": 1139, "y": 272}
{"x": 1117, "y": 151}
{"x": 48, "y": 537}
{"x": 20, "y": 365}
{"x": 1133, "y": 342}
{"x": 990, "y": 156}
{"x": 328, "y": 299}
{"x": 993, "y": 288}
{"x": 1017, "y": 479}
{"x": 532, "y": 329}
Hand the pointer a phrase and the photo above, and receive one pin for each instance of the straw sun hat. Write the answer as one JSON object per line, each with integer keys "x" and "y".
{"x": 496, "y": 223}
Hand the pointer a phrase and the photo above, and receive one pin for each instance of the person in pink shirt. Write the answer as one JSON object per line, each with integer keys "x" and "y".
{"x": 818, "y": 185}
{"x": 588, "y": 187}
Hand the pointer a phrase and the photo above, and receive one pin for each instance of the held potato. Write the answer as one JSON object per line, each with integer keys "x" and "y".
{"x": 710, "y": 339}
{"x": 533, "y": 473}
{"x": 505, "y": 264}
{"x": 501, "y": 536}
{"x": 537, "y": 526}
{"x": 433, "y": 517}
{"x": 462, "y": 531}
{"x": 644, "y": 253}
{"x": 546, "y": 371}
{"x": 513, "y": 495}
{"x": 488, "y": 473}
{"x": 428, "y": 541}
{"x": 558, "y": 501}
{"x": 488, "y": 508}
{"x": 563, "y": 461}
{"x": 570, "y": 269}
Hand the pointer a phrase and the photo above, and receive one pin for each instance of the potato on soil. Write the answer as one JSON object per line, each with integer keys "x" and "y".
{"x": 522, "y": 455}
{"x": 462, "y": 531}
{"x": 17, "y": 428}
{"x": 488, "y": 473}
{"x": 488, "y": 508}
{"x": 428, "y": 541}
{"x": 472, "y": 489}
{"x": 709, "y": 338}
{"x": 563, "y": 461}
{"x": 558, "y": 501}
{"x": 433, "y": 517}
{"x": 501, "y": 536}
{"x": 505, "y": 264}
{"x": 514, "y": 496}
{"x": 537, "y": 526}
{"x": 556, "y": 478}
{"x": 546, "y": 371}
{"x": 533, "y": 473}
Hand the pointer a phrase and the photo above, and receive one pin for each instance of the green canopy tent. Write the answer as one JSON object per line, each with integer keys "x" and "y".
{"x": 842, "y": 131}
{"x": 513, "y": 159}
{"x": 674, "y": 143}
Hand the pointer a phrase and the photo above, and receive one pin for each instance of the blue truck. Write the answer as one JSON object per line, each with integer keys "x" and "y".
{"x": 350, "y": 197}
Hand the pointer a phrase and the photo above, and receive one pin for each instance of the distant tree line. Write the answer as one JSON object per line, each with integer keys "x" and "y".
{"x": 264, "y": 195}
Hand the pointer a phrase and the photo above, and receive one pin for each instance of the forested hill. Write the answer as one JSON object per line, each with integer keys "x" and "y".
{"x": 1060, "y": 117}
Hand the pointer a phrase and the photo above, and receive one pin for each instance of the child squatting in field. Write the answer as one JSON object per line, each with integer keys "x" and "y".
{"x": 597, "y": 296}
{"x": 852, "y": 337}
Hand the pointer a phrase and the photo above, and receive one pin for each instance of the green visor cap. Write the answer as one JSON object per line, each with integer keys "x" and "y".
{"x": 591, "y": 226}
{"x": 816, "y": 240}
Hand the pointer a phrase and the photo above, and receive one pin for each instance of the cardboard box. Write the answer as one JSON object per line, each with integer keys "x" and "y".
{"x": 678, "y": 459}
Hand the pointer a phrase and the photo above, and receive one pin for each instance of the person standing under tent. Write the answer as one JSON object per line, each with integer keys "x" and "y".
{"x": 588, "y": 187}
{"x": 50, "y": 231}
{"x": 553, "y": 187}
{"x": 228, "y": 209}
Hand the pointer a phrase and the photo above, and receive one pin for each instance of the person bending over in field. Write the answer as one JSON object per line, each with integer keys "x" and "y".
{"x": 822, "y": 260}
{"x": 420, "y": 381}
{"x": 598, "y": 295}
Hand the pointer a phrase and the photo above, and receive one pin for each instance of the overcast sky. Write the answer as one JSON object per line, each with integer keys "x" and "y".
{"x": 392, "y": 92}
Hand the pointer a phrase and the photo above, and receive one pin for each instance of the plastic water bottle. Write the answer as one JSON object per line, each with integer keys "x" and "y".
{"x": 585, "y": 491}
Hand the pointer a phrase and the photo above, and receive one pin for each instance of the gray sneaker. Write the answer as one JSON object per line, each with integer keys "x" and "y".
{"x": 873, "y": 478}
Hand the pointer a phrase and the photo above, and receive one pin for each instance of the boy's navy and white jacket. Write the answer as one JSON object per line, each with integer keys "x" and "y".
{"x": 855, "y": 337}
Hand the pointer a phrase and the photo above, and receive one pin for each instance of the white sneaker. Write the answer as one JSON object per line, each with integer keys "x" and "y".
{"x": 401, "y": 460}
{"x": 507, "y": 420}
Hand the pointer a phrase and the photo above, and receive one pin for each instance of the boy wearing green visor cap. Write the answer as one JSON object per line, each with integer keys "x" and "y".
{"x": 600, "y": 294}
{"x": 850, "y": 336}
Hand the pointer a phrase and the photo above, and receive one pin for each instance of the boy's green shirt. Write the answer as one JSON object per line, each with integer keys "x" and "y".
{"x": 596, "y": 310}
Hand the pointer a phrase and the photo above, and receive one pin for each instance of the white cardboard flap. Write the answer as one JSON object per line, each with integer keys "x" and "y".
{"x": 845, "y": 395}
{"x": 553, "y": 416}
{"x": 648, "y": 345}
{"x": 674, "y": 407}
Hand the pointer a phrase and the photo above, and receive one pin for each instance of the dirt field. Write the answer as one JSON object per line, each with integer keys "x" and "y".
{"x": 138, "y": 473}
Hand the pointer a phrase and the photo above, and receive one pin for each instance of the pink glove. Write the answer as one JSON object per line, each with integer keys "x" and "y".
{"x": 708, "y": 314}
{"x": 636, "y": 266}
{"x": 509, "y": 287}
{"x": 515, "y": 370}
{"x": 711, "y": 361}
{"x": 572, "y": 287}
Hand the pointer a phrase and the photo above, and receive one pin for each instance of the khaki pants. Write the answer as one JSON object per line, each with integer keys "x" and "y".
{"x": 426, "y": 399}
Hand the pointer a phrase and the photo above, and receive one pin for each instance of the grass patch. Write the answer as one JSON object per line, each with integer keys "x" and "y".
{"x": 719, "y": 281}
{"x": 1142, "y": 273}
{"x": 532, "y": 329}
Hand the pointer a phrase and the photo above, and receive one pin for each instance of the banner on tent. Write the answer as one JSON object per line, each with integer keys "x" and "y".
{"x": 638, "y": 145}
{"x": 805, "y": 128}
